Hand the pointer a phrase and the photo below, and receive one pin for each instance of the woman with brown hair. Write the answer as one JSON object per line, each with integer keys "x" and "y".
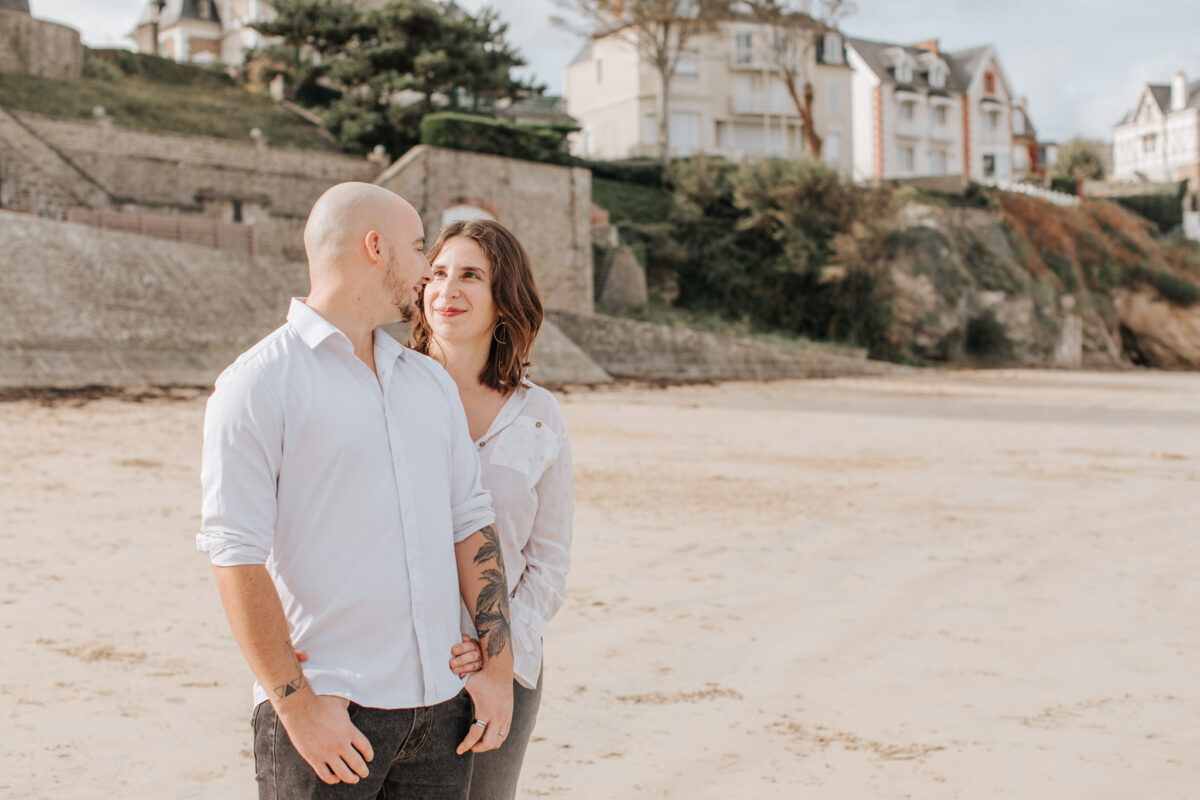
{"x": 478, "y": 317}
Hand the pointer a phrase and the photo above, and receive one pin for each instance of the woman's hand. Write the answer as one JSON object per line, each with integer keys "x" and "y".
{"x": 467, "y": 657}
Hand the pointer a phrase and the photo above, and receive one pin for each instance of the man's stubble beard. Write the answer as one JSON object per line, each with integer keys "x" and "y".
{"x": 401, "y": 296}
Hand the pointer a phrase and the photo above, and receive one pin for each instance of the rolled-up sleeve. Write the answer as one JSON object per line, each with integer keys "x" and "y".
{"x": 470, "y": 503}
{"x": 243, "y": 445}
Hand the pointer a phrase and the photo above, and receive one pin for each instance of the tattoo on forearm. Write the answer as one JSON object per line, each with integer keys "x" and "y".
{"x": 491, "y": 606}
{"x": 290, "y": 688}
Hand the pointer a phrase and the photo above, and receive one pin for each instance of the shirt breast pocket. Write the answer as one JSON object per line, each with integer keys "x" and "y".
{"x": 528, "y": 446}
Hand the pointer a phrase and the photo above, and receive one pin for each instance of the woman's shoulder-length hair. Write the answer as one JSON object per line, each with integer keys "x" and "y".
{"x": 514, "y": 294}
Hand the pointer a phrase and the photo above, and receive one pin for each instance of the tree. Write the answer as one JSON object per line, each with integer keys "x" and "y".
{"x": 1079, "y": 159}
{"x": 390, "y": 65}
{"x": 660, "y": 29}
{"x": 793, "y": 28}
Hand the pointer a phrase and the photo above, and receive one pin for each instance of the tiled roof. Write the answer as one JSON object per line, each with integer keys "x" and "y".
{"x": 175, "y": 10}
{"x": 1161, "y": 94}
{"x": 961, "y": 64}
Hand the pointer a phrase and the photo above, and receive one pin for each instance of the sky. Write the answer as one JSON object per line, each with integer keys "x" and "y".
{"x": 1080, "y": 63}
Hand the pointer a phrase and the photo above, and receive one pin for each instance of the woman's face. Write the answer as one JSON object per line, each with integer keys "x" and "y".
{"x": 458, "y": 301}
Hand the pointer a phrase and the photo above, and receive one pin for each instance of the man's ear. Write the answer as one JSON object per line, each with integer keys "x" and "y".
{"x": 373, "y": 243}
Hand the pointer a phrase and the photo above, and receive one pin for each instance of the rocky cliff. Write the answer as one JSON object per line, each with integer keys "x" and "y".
{"x": 1017, "y": 280}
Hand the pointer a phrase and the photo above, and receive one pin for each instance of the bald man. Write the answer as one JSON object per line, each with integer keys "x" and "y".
{"x": 343, "y": 516}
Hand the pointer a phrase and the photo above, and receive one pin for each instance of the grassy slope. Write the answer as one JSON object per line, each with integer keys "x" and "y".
{"x": 194, "y": 102}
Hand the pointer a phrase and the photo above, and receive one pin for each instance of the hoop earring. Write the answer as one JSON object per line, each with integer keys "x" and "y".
{"x": 496, "y": 331}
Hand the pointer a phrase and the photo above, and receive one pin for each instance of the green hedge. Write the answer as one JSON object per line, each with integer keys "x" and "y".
{"x": 640, "y": 171}
{"x": 1064, "y": 185}
{"x": 1164, "y": 210}
{"x": 496, "y": 137}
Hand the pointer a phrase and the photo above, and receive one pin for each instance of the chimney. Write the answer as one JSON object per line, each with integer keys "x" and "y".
{"x": 930, "y": 45}
{"x": 1179, "y": 92}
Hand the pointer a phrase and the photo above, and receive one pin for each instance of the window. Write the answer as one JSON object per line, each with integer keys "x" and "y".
{"x": 832, "y": 49}
{"x": 1150, "y": 143}
{"x": 937, "y": 162}
{"x": 831, "y": 151}
{"x": 684, "y": 133}
{"x": 941, "y": 115}
{"x": 989, "y": 83}
{"x": 989, "y": 166}
{"x": 937, "y": 78}
{"x": 834, "y": 87}
{"x": 991, "y": 121}
{"x": 904, "y": 72}
{"x": 743, "y": 94}
{"x": 688, "y": 65}
{"x": 205, "y": 9}
{"x": 908, "y": 110}
{"x": 904, "y": 158}
{"x": 742, "y": 51}
{"x": 781, "y": 101}
{"x": 650, "y": 129}
{"x": 599, "y": 70}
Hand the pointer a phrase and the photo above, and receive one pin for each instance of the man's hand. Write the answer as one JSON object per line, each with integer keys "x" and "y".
{"x": 322, "y": 733}
{"x": 491, "y": 691}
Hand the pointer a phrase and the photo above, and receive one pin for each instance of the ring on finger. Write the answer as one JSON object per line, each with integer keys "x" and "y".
{"x": 480, "y": 723}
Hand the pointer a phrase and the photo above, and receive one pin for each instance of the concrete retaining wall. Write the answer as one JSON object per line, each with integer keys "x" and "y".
{"x": 640, "y": 350}
{"x": 548, "y": 207}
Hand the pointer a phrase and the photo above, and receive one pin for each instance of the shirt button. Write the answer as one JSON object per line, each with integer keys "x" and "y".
{"x": 481, "y": 444}
{"x": 537, "y": 424}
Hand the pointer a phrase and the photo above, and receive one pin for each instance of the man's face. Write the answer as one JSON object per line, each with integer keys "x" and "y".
{"x": 406, "y": 269}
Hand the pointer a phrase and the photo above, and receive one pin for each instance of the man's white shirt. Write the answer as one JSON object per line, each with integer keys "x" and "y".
{"x": 352, "y": 489}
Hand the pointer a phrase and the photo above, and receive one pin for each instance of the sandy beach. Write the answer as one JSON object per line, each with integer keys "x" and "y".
{"x": 950, "y": 585}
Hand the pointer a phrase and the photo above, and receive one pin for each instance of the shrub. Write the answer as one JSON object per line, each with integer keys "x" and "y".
{"x": 100, "y": 69}
{"x": 1164, "y": 210}
{"x": 1173, "y": 288}
{"x": 486, "y": 135}
{"x": 1064, "y": 185}
{"x": 638, "y": 171}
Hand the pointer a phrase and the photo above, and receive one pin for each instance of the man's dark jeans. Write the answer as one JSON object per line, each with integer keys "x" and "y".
{"x": 414, "y": 755}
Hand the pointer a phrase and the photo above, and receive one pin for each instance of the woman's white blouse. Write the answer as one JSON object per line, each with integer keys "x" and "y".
{"x": 525, "y": 459}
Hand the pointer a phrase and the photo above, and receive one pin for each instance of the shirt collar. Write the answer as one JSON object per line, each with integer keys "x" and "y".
{"x": 312, "y": 327}
{"x": 315, "y": 329}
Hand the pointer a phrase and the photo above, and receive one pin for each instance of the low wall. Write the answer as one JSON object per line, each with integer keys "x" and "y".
{"x": 641, "y": 350}
{"x": 140, "y": 171}
{"x": 547, "y": 206}
{"x": 37, "y": 47}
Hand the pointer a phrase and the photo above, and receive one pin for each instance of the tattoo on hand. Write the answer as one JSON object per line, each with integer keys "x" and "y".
{"x": 491, "y": 606}
{"x": 290, "y": 688}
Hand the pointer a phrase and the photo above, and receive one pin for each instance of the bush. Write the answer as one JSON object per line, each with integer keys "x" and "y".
{"x": 1164, "y": 210}
{"x": 161, "y": 70}
{"x": 1064, "y": 185}
{"x": 639, "y": 171}
{"x": 100, "y": 69}
{"x": 1173, "y": 288}
{"x": 486, "y": 135}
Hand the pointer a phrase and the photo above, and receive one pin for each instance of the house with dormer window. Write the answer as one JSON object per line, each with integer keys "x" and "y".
{"x": 920, "y": 111}
{"x": 1159, "y": 141}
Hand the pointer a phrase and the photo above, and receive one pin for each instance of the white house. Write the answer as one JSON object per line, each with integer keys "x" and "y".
{"x": 727, "y": 98}
{"x": 1159, "y": 141}
{"x": 921, "y": 111}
